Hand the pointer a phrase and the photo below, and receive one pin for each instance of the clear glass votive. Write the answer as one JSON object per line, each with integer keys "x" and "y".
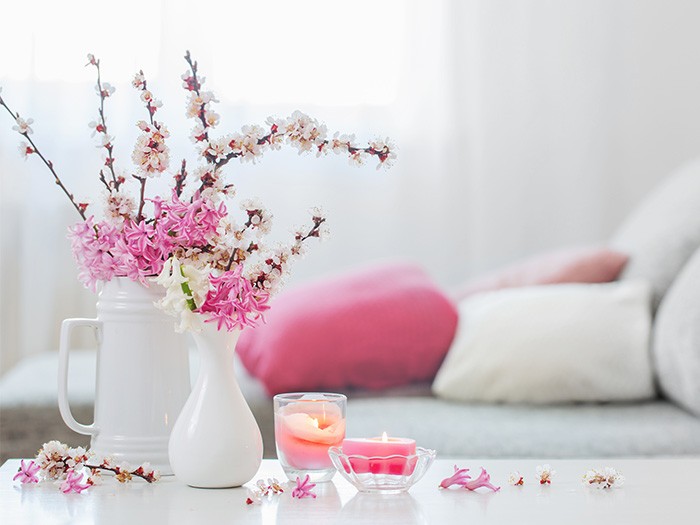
{"x": 307, "y": 424}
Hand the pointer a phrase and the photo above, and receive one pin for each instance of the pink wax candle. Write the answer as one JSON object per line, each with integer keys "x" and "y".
{"x": 381, "y": 455}
{"x": 304, "y": 431}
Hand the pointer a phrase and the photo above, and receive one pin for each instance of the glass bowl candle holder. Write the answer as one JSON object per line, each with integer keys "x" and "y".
{"x": 307, "y": 424}
{"x": 384, "y": 474}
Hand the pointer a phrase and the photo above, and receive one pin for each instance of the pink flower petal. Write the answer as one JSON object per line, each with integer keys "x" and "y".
{"x": 303, "y": 488}
{"x": 27, "y": 472}
{"x": 460, "y": 477}
{"x": 483, "y": 480}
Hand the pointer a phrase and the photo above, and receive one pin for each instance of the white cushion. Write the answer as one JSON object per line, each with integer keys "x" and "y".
{"x": 662, "y": 232}
{"x": 676, "y": 345}
{"x": 551, "y": 344}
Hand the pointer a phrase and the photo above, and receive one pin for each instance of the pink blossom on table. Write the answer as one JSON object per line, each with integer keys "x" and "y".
{"x": 545, "y": 474}
{"x": 303, "y": 488}
{"x": 253, "y": 497}
{"x": 516, "y": 479}
{"x": 603, "y": 479}
{"x": 73, "y": 483}
{"x": 232, "y": 302}
{"x": 23, "y": 127}
{"x": 482, "y": 480}
{"x": 27, "y": 472}
{"x": 460, "y": 478}
{"x": 270, "y": 487}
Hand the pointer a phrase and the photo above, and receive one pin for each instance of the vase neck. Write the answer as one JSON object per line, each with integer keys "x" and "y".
{"x": 216, "y": 347}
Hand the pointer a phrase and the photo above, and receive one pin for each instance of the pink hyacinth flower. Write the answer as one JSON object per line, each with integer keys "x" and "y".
{"x": 27, "y": 473}
{"x": 460, "y": 477}
{"x": 303, "y": 488}
{"x": 72, "y": 483}
{"x": 483, "y": 480}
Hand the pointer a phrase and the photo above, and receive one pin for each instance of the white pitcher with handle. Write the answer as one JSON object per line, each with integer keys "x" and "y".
{"x": 142, "y": 379}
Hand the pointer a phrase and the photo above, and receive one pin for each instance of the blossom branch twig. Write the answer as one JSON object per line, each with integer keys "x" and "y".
{"x": 23, "y": 128}
{"x": 103, "y": 92}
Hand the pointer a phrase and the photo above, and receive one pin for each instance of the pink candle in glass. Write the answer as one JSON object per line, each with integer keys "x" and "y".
{"x": 304, "y": 431}
{"x": 381, "y": 455}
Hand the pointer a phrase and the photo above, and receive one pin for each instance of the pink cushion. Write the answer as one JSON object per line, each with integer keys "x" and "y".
{"x": 572, "y": 265}
{"x": 376, "y": 328}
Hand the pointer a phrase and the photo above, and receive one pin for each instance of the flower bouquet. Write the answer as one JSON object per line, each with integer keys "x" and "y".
{"x": 214, "y": 266}
{"x": 211, "y": 259}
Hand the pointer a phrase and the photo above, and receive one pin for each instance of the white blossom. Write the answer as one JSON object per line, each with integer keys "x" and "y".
{"x": 515, "y": 478}
{"x": 151, "y": 155}
{"x": 25, "y": 149}
{"x": 545, "y": 473}
{"x": 139, "y": 80}
{"x": 605, "y": 479}
{"x": 175, "y": 302}
{"x": 118, "y": 206}
{"x": 23, "y": 126}
{"x": 107, "y": 90}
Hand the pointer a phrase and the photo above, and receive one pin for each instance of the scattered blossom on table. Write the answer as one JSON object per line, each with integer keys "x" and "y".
{"x": 304, "y": 488}
{"x": 461, "y": 478}
{"x": 516, "y": 479}
{"x": 76, "y": 469}
{"x": 545, "y": 473}
{"x": 603, "y": 479}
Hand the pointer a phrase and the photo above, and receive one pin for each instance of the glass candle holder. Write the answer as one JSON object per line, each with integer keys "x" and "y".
{"x": 307, "y": 424}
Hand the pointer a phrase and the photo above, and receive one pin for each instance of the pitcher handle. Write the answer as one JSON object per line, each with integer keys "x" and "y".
{"x": 63, "y": 350}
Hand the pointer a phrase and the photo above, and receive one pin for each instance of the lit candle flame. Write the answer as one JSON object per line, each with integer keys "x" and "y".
{"x": 385, "y": 438}
{"x": 314, "y": 422}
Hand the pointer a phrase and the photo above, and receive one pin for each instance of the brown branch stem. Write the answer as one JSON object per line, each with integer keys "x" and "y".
{"x": 110, "y": 164}
{"x": 48, "y": 163}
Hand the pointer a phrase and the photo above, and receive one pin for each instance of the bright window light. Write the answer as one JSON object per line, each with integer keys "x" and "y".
{"x": 273, "y": 52}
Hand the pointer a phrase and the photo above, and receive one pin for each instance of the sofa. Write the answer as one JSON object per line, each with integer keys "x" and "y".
{"x": 661, "y": 237}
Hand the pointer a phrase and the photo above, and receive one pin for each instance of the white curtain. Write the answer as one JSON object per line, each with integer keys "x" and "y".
{"x": 522, "y": 125}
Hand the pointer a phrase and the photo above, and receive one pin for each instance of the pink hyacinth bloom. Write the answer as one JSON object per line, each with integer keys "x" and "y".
{"x": 483, "y": 480}
{"x": 460, "y": 477}
{"x": 72, "y": 483}
{"x": 27, "y": 473}
{"x": 303, "y": 488}
{"x": 91, "y": 245}
{"x": 141, "y": 251}
{"x": 189, "y": 223}
{"x": 232, "y": 302}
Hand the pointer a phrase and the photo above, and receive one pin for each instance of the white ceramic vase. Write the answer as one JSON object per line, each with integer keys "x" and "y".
{"x": 216, "y": 442}
{"x": 142, "y": 379}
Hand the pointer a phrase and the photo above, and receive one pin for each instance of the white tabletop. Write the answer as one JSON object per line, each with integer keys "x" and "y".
{"x": 655, "y": 491}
